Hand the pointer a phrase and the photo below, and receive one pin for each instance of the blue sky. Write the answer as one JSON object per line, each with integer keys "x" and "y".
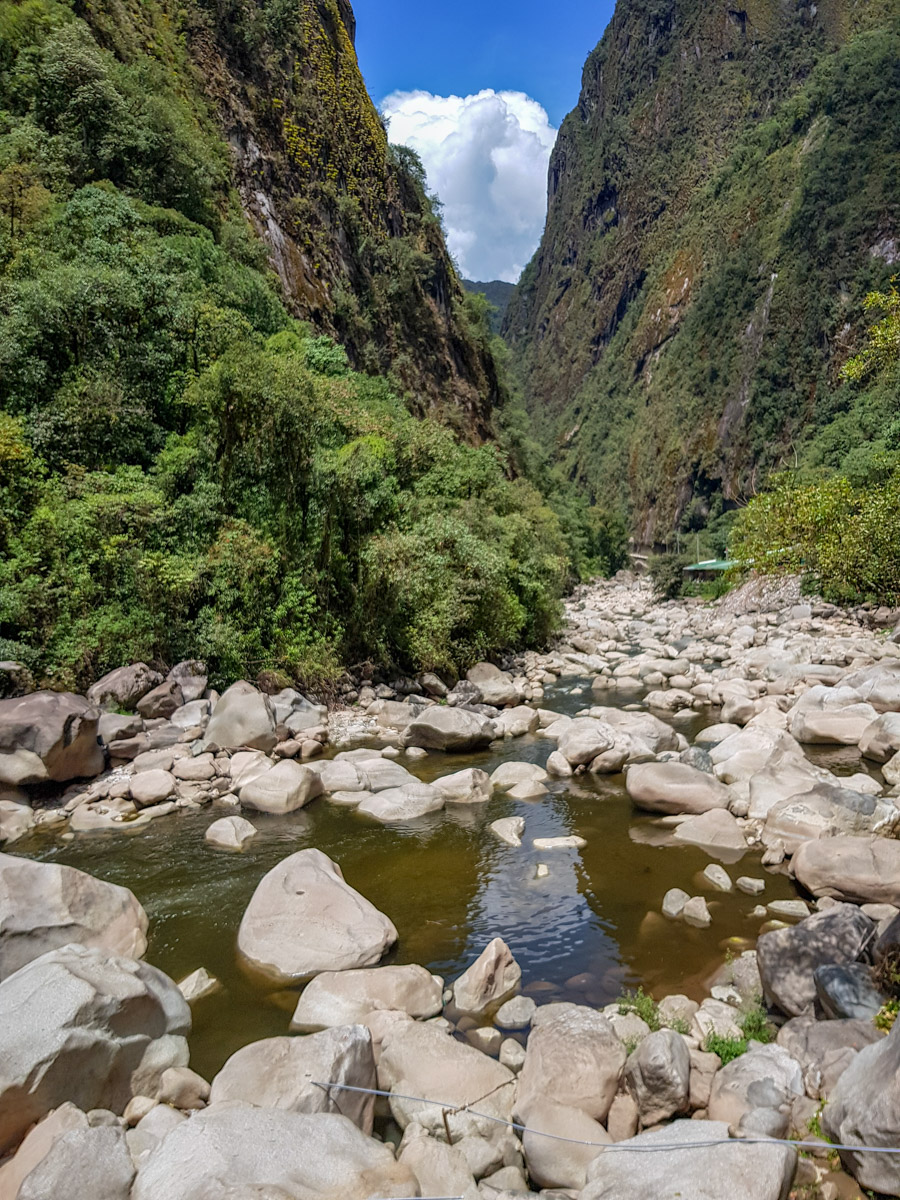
{"x": 478, "y": 88}
{"x": 530, "y": 47}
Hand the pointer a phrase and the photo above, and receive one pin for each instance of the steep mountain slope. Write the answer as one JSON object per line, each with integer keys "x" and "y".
{"x": 348, "y": 226}
{"x": 720, "y": 201}
{"x": 189, "y": 464}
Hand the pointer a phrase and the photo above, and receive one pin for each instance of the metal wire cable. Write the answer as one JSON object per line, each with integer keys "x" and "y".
{"x": 452, "y": 1109}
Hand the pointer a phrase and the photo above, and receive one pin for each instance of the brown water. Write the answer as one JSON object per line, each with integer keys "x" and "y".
{"x": 584, "y": 933}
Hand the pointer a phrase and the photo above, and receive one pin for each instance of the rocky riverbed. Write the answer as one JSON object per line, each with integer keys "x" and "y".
{"x": 730, "y": 771}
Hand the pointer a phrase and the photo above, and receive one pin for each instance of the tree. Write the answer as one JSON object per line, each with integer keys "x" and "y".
{"x": 22, "y": 198}
{"x": 882, "y": 349}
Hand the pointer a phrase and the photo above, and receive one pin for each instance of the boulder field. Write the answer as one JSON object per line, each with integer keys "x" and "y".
{"x": 489, "y": 1094}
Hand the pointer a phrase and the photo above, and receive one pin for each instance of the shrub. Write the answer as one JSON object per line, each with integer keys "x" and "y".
{"x": 666, "y": 573}
{"x": 642, "y": 1005}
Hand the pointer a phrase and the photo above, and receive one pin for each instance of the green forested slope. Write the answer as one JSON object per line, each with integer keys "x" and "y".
{"x": 721, "y": 201}
{"x": 186, "y": 468}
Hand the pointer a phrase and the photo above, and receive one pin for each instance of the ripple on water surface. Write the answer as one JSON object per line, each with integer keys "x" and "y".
{"x": 585, "y": 931}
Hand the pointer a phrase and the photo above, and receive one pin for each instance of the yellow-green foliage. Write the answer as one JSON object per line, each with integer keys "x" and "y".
{"x": 883, "y": 347}
{"x": 847, "y": 536}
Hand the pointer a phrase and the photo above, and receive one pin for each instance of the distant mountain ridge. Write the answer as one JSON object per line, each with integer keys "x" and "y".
{"x": 498, "y": 292}
{"x": 720, "y": 202}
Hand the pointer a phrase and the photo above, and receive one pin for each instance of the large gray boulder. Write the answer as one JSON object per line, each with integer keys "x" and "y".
{"x": 451, "y": 729}
{"x": 560, "y": 1144}
{"x": 572, "y": 1058}
{"x": 440, "y": 1169}
{"x": 230, "y": 833}
{"x": 161, "y": 702}
{"x": 584, "y": 740}
{"x": 658, "y": 1074}
{"x": 492, "y": 978}
{"x": 36, "y": 1145}
{"x": 303, "y": 918}
{"x": 766, "y": 1077}
{"x": 880, "y": 740}
{"x": 406, "y": 803}
{"x": 192, "y": 677}
{"x": 864, "y": 1110}
{"x": 124, "y": 687}
{"x": 496, "y": 686}
{"x": 824, "y": 1049}
{"x": 15, "y": 821}
{"x": 788, "y": 957}
{"x": 674, "y": 787}
{"x": 878, "y": 684}
{"x": 470, "y": 786}
{"x": 285, "y": 1072}
{"x": 238, "y": 1151}
{"x": 847, "y": 992}
{"x": 348, "y": 997}
{"x": 654, "y": 733}
{"x": 862, "y": 869}
{"x": 831, "y": 726}
{"x": 825, "y": 811}
{"x": 242, "y": 717}
{"x": 283, "y": 789}
{"x": 419, "y": 1059}
{"x": 749, "y": 1170}
{"x": 92, "y": 1162}
{"x": 788, "y": 779}
{"x": 81, "y": 1025}
{"x": 48, "y": 736}
{"x": 46, "y": 905}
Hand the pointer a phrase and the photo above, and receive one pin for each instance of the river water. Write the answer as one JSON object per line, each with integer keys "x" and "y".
{"x": 585, "y": 932}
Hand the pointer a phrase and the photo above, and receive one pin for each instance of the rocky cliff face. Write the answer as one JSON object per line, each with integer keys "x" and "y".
{"x": 344, "y": 216}
{"x": 719, "y": 203}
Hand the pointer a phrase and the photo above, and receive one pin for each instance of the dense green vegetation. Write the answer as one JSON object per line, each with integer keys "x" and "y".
{"x": 185, "y": 469}
{"x": 839, "y": 523}
{"x": 722, "y": 200}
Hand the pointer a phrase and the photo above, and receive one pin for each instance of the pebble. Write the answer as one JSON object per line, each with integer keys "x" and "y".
{"x": 718, "y": 877}
{"x": 788, "y": 908}
{"x": 696, "y": 913}
{"x": 509, "y": 830}
{"x": 753, "y": 887}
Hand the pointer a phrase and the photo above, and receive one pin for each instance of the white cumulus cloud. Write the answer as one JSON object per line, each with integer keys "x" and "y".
{"x": 486, "y": 158}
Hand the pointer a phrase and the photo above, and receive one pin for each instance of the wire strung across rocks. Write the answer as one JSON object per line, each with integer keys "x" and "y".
{"x": 451, "y": 1109}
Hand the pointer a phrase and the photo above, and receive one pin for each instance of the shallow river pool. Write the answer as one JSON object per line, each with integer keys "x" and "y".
{"x": 585, "y": 932}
